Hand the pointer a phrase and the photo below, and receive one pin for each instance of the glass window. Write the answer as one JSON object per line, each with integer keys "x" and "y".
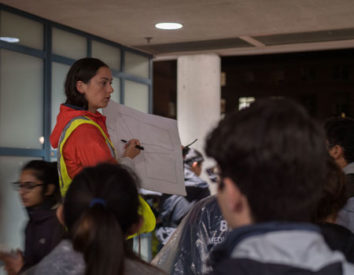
{"x": 108, "y": 54}
{"x": 29, "y": 32}
{"x": 21, "y": 100}
{"x": 136, "y": 64}
{"x": 59, "y": 72}
{"x": 13, "y": 216}
{"x": 136, "y": 96}
{"x": 69, "y": 44}
{"x": 116, "y": 89}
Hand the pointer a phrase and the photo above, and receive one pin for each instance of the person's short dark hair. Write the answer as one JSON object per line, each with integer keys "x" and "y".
{"x": 334, "y": 193}
{"x": 82, "y": 70}
{"x": 276, "y": 154}
{"x": 340, "y": 131}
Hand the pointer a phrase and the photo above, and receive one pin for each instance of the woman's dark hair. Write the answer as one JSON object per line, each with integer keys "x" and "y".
{"x": 100, "y": 208}
{"x": 47, "y": 173}
{"x": 82, "y": 70}
{"x": 334, "y": 193}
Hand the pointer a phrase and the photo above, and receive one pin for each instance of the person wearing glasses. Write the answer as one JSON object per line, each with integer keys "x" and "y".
{"x": 39, "y": 193}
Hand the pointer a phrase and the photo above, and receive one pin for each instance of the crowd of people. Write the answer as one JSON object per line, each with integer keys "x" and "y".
{"x": 284, "y": 202}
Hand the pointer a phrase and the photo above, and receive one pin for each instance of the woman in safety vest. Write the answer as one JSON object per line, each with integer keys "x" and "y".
{"x": 81, "y": 134}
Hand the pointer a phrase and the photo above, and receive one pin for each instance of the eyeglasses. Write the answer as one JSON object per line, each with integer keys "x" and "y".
{"x": 26, "y": 186}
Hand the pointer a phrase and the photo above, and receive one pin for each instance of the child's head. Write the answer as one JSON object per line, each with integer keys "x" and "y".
{"x": 38, "y": 182}
{"x": 272, "y": 159}
{"x": 100, "y": 211}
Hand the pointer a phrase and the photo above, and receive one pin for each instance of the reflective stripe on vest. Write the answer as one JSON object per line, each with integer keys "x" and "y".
{"x": 64, "y": 178}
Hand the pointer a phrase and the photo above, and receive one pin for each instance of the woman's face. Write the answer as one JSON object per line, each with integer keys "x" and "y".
{"x": 30, "y": 192}
{"x": 98, "y": 90}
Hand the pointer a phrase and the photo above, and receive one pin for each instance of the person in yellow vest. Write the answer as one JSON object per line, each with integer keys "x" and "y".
{"x": 80, "y": 133}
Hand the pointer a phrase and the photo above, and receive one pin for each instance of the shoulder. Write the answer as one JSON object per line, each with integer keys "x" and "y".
{"x": 62, "y": 260}
{"x": 85, "y": 134}
{"x": 133, "y": 267}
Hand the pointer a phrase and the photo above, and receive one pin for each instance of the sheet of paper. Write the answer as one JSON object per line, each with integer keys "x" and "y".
{"x": 160, "y": 164}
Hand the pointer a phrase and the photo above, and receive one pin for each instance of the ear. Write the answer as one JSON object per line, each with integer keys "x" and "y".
{"x": 60, "y": 214}
{"x": 237, "y": 204}
{"x": 233, "y": 195}
{"x": 50, "y": 190}
{"x": 336, "y": 152}
{"x": 136, "y": 227}
{"x": 81, "y": 86}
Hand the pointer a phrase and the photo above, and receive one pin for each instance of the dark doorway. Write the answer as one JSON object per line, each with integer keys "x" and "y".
{"x": 322, "y": 81}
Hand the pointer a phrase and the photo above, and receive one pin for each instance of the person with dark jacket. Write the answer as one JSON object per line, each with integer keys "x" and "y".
{"x": 340, "y": 136}
{"x": 272, "y": 160}
{"x": 38, "y": 188}
{"x": 332, "y": 201}
{"x": 173, "y": 208}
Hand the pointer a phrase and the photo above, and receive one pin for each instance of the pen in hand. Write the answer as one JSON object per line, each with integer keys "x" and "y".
{"x": 136, "y": 146}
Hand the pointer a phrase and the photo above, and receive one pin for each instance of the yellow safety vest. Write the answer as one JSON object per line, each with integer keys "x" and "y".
{"x": 65, "y": 180}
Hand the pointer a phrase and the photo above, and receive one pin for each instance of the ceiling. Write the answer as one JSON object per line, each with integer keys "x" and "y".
{"x": 224, "y": 27}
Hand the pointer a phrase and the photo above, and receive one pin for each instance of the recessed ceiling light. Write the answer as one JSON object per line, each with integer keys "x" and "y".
{"x": 168, "y": 26}
{"x": 9, "y": 39}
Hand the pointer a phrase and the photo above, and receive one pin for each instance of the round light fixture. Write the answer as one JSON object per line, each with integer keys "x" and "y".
{"x": 168, "y": 26}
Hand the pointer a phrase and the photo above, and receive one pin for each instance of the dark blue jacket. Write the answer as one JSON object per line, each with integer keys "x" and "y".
{"x": 339, "y": 238}
{"x": 278, "y": 249}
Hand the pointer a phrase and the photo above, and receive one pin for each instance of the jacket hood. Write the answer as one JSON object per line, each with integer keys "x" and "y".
{"x": 67, "y": 113}
{"x": 238, "y": 235}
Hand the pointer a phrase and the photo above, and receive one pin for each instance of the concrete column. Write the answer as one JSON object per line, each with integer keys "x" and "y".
{"x": 198, "y": 98}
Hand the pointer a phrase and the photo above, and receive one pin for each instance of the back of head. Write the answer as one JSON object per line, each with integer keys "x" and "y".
{"x": 100, "y": 208}
{"x": 47, "y": 173}
{"x": 82, "y": 70}
{"x": 275, "y": 153}
{"x": 340, "y": 131}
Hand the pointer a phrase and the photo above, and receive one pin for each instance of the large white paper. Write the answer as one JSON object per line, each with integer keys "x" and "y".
{"x": 160, "y": 164}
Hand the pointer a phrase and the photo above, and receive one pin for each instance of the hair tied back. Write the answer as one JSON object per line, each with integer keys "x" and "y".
{"x": 95, "y": 201}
